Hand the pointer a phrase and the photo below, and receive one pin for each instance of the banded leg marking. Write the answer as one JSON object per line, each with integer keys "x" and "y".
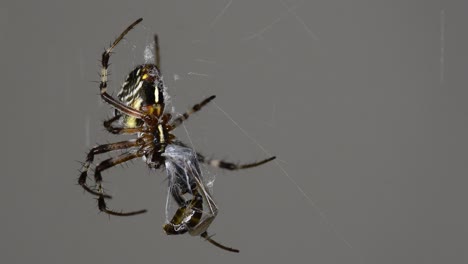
{"x": 111, "y": 162}
{"x": 179, "y": 120}
{"x": 232, "y": 166}
{"x": 104, "y": 73}
{"x": 99, "y": 150}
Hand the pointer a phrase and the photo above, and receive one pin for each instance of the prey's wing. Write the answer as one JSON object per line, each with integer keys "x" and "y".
{"x": 189, "y": 205}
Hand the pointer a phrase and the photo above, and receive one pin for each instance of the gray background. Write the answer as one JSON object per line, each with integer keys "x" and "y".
{"x": 363, "y": 102}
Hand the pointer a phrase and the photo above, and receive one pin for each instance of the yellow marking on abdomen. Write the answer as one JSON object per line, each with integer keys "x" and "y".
{"x": 161, "y": 134}
{"x": 130, "y": 121}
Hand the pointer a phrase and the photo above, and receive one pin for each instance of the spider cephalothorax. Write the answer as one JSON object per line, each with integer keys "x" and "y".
{"x": 140, "y": 110}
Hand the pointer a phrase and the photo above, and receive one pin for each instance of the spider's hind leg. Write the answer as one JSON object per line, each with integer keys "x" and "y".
{"x": 106, "y": 164}
{"x": 99, "y": 150}
{"x": 226, "y": 164}
{"x": 231, "y": 165}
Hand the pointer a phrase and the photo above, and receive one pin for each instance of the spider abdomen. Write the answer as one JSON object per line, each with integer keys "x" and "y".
{"x": 142, "y": 87}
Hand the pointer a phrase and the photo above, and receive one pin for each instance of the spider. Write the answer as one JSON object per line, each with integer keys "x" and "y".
{"x": 140, "y": 111}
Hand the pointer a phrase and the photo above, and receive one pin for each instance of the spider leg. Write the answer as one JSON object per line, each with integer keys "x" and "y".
{"x": 156, "y": 52}
{"x": 99, "y": 150}
{"x": 230, "y": 165}
{"x": 108, "y": 124}
{"x": 179, "y": 120}
{"x": 106, "y": 164}
{"x": 209, "y": 239}
{"x": 226, "y": 164}
{"x": 104, "y": 73}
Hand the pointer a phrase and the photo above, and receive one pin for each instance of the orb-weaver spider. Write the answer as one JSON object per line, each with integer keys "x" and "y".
{"x": 140, "y": 110}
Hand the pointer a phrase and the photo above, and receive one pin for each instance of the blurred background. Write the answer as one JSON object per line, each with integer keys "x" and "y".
{"x": 363, "y": 103}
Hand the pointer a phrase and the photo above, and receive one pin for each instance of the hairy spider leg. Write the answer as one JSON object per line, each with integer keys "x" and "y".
{"x": 230, "y": 165}
{"x": 156, "y": 52}
{"x": 226, "y": 164}
{"x": 99, "y": 150}
{"x": 108, "y": 163}
{"x": 179, "y": 120}
{"x": 103, "y": 84}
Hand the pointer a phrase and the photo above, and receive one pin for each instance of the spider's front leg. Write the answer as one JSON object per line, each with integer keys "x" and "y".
{"x": 104, "y": 73}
